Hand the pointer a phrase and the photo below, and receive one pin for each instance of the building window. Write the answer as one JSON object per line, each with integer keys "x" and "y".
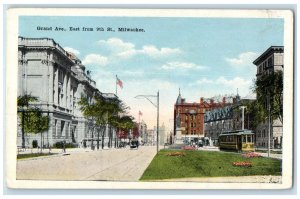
{"x": 270, "y": 62}
{"x": 62, "y": 128}
{"x": 249, "y": 138}
{"x": 55, "y": 127}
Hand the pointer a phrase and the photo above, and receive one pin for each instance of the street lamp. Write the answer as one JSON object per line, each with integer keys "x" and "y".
{"x": 148, "y": 97}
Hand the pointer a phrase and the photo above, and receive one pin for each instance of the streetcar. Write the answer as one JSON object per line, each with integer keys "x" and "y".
{"x": 239, "y": 140}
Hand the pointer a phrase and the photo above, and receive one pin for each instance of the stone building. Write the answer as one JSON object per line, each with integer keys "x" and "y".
{"x": 58, "y": 79}
{"x": 143, "y": 132}
{"x": 227, "y": 118}
{"x": 151, "y": 136}
{"x": 162, "y": 135}
{"x": 272, "y": 60}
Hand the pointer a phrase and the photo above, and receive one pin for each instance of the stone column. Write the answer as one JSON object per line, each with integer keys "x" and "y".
{"x": 69, "y": 92}
{"x": 56, "y": 86}
{"x": 64, "y": 104}
{"x": 51, "y": 83}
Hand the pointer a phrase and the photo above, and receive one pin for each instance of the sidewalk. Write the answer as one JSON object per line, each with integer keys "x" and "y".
{"x": 68, "y": 150}
{"x": 123, "y": 164}
{"x": 230, "y": 179}
{"x": 272, "y": 155}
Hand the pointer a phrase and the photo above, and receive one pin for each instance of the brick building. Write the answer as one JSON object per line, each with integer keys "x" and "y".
{"x": 189, "y": 117}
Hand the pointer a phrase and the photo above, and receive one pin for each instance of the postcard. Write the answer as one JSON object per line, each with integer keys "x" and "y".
{"x": 149, "y": 99}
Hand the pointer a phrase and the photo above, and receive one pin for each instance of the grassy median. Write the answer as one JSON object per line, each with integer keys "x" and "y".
{"x": 33, "y": 155}
{"x": 207, "y": 164}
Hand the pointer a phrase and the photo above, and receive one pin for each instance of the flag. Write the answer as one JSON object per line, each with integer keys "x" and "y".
{"x": 140, "y": 113}
{"x": 119, "y": 82}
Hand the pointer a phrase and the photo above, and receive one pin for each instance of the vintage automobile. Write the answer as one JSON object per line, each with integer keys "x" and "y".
{"x": 134, "y": 144}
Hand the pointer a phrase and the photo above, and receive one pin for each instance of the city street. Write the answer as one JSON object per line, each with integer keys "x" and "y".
{"x": 113, "y": 164}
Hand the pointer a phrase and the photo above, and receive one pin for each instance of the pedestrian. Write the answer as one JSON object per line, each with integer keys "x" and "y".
{"x": 64, "y": 146}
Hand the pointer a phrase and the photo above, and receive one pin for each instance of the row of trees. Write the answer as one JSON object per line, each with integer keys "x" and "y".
{"x": 110, "y": 112}
{"x": 269, "y": 94}
{"x": 106, "y": 113}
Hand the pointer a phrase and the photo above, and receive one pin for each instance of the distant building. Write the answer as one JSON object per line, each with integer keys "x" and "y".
{"x": 162, "y": 135}
{"x": 143, "y": 132}
{"x": 270, "y": 61}
{"x": 189, "y": 117}
{"x": 151, "y": 137}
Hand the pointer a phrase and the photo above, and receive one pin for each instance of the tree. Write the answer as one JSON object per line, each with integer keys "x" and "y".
{"x": 269, "y": 91}
{"x": 103, "y": 111}
{"x": 32, "y": 118}
{"x": 94, "y": 114}
{"x": 124, "y": 124}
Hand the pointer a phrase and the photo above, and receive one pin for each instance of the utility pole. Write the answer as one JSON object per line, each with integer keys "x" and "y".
{"x": 269, "y": 128}
{"x": 243, "y": 117}
{"x": 157, "y": 134}
{"x": 157, "y": 117}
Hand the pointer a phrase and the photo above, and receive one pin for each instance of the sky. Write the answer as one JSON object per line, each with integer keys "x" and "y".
{"x": 204, "y": 57}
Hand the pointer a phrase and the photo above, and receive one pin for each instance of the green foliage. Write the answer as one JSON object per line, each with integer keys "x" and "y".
{"x": 125, "y": 122}
{"x": 34, "y": 144}
{"x": 269, "y": 86}
{"x": 33, "y": 120}
{"x": 105, "y": 111}
{"x": 25, "y": 100}
{"x": 256, "y": 112}
{"x": 33, "y": 155}
{"x": 60, "y": 145}
{"x": 207, "y": 164}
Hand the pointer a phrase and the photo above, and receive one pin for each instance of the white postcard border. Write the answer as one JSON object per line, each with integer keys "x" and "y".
{"x": 11, "y": 96}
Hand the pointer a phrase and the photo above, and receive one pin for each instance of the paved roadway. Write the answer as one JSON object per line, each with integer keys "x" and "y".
{"x": 113, "y": 164}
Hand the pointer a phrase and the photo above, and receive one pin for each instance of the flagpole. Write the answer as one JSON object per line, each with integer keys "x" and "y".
{"x": 116, "y": 85}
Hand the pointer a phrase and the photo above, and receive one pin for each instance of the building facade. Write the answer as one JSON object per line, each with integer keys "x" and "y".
{"x": 189, "y": 117}
{"x": 272, "y": 60}
{"x": 143, "y": 132}
{"x": 59, "y": 80}
{"x": 228, "y": 118}
{"x": 162, "y": 135}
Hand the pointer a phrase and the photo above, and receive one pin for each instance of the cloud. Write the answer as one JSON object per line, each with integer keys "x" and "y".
{"x": 117, "y": 45}
{"x": 127, "y": 50}
{"x": 234, "y": 83}
{"x": 223, "y": 84}
{"x": 96, "y": 59}
{"x": 155, "y": 52}
{"x": 72, "y": 50}
{"x": 181, "y": 65}
{"x": 204, "y": 81}
{"x": 244, "y": 59}
{"x": 128, "y": 73}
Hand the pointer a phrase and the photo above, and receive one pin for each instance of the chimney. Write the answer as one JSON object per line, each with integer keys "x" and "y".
{"x": 201, "y": 100}
{"x": 224, "y": 100}
{"x": 234, "y": 100}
